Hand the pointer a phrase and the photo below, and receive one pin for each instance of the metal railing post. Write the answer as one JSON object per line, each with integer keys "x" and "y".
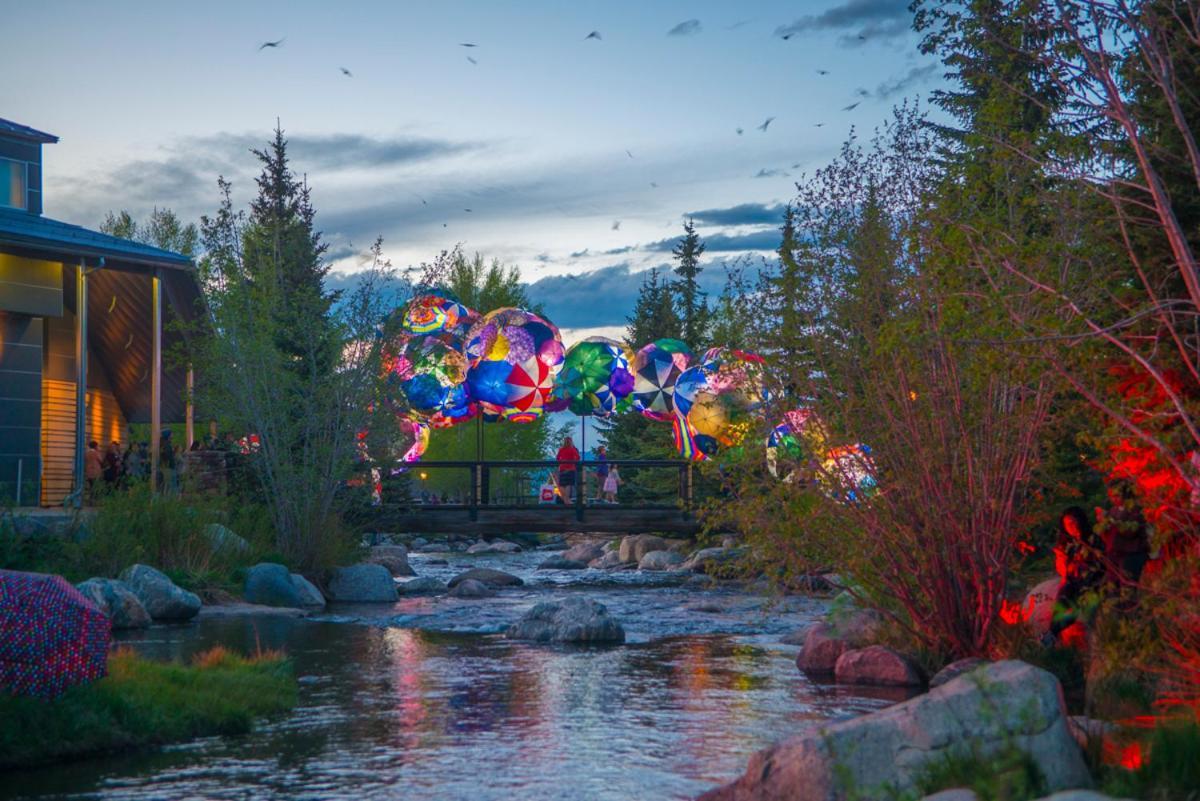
{"x": 476, "y": 490}
{"x": 579, "y": 491}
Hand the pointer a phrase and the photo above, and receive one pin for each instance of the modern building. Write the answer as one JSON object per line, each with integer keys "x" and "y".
{"x": 85, "y": 321}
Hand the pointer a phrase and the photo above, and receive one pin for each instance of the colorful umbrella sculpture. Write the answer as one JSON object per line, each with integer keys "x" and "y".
{"x": 849, "y": 471}
{"x": 595, "y": 380}
{"x": 513, "y": 357}
{"x": 51, "y": 636}
{"x": 718, "y": 397}
{"x": 656, "y": 368}
{"x": 437, "y": 312}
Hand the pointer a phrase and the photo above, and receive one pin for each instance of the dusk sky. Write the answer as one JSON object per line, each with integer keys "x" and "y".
{"x": 575, "y": 156}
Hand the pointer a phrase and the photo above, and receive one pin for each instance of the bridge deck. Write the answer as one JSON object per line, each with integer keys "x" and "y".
{"x": 550, "y": 518}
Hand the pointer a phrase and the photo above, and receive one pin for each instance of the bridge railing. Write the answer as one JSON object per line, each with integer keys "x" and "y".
{"x": 533, "y": 484}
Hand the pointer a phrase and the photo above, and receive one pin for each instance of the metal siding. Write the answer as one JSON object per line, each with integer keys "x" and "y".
{"x": 20, "y": 151}
{"x": 20, "y": 405}
{"x": 31, "y": 286}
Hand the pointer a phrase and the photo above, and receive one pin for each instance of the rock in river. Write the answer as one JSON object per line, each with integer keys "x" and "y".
{"x": 879, "y": 666}
{"x": 362, "y": 583}
{"x": 307, "y": 591}
{"x": 470, "y": 588}
{"x": 578, "y": 620}
{"x": 499, "y": 546}
{"x": 635, "y": 546}
{"x": 271, "y": 585}
{"x": 116, "y": 600}
{"x": 485, "y": 575}
{"x": 660, "y": 560}
{"x": 394, "y": 558}
{"x": 584, "y": 551}
{"x": 1002, "y": 704}
{"x": 161, "y": 597}
{"x": 425, "y": 585}
{"x": 955, "y": 669}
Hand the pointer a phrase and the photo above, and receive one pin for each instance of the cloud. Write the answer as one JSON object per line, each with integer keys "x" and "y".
{"x": 767, "y": 239}
{"x": 742, "y": 214}
{"x": 901, "y": 84}
{"x": 685, "y": 28}
{"x": 862, "y": 20}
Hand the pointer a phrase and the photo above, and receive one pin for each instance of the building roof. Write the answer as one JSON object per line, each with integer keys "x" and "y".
{"x": 10, "y": 128}
{"x": 23, "y": 229}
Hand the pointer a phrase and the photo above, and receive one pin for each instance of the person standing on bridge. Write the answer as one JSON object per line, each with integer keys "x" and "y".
{"x": 568, "y": 457}
{"x": 601, "y": 471}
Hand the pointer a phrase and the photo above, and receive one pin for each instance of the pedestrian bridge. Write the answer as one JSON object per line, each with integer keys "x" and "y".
{"x": 499, "y": 497}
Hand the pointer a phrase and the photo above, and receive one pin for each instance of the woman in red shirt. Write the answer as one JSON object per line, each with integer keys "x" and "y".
{"x": 567, "y": 457}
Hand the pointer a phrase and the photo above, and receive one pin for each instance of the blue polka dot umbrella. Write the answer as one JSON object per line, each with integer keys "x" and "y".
{"x": 51, "y": 636}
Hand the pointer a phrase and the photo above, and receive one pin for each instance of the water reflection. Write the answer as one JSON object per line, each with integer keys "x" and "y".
{"x": 390, "y": 712}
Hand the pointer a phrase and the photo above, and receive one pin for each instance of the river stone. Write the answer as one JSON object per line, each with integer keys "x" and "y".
{"x": 635, "y": 546}
{"x": 1039, "y": 605}
{"x": 307, "y": 591}
{"x": 488, "y": 576}
{"x": 955, "y": 669}
{"x": 608, "y": 561}
{"x": 364, "y": 583}
{"x": 560, "y": 563}
{"x": 392, "y": 557}
{"x": 115, "y": 599}
{"x": 584, "y": 552}
{"x": 660, "y": 560}
{"x": 271, "y": 585}
{"x": 711, "y": 560}
{"x": 161, "y": 597}
{"x": 1001, "y": 705}
{"x": 499, "y": 546}
{"x": 470, "y": 588}
{"x": 425, "y": 585}
{"x": 821, "y": 650}
{"x": 575, "y": 619}
{"x": 879, "y": 666}
{"x": 223, "y": 539}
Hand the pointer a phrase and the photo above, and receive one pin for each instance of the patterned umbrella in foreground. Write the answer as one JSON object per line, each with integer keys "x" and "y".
{"x": 51, "y": 636}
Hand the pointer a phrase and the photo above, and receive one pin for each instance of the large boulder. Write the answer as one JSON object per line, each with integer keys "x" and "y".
{"x": 660, "y": 560}
{"x": 161, "y": 597}
{"x": 712, "y": 560}
{"x": 879, "y": 666}
{"x": 485, "y": 575}
{"x": 575, "y": 619}
{"x": 609, "y": 561}
{"x": 470, "y": 588}
{"x": 498, "y": 546}
{"x": 1039, "y": 605}
{"x": 635, "y": 546}
{"x": 392, "y": 557}
{"x": 271, "y": 585}
{"x": 584, "y": 551}
{"x": 306, "y": 591}
{"x": 1001, "y": 705}
{"x": 821, "y": 650}
{"x": 425, "y": 585}
{"x": 115, "y": 599}
{"x": 224, "y": 540}
{"x": 955, "y": 669}
{"x": 560, "y": 563}
{"x": 363, "y": 583}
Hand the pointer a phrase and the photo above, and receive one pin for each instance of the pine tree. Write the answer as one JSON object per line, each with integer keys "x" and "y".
{"x": 654, "y": 314}
{"x": 690, "y": 300}
{"x": 783, "y": 329}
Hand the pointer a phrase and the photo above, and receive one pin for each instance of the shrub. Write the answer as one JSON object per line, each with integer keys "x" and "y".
{"x": 1010, "y": 775}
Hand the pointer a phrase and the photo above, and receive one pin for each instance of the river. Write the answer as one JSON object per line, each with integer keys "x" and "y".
{"x": 426, "y": 700}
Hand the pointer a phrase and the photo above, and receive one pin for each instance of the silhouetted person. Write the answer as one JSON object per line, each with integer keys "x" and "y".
{"x": 567, "y": 456}
{"x": 93, "y": 468}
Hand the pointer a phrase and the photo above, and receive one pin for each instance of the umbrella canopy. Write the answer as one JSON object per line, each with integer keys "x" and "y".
{"x": 51, "y": 636}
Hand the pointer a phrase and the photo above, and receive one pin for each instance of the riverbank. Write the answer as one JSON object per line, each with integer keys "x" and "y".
{"x": 142, "y": 702}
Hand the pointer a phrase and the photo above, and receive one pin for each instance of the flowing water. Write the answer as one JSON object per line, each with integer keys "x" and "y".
{"x": 426, "y": 700}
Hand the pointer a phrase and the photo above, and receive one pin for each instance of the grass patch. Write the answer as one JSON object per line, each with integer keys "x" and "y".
{"x": 1169, "y": 768}
{"x": 1008, "y": 775}
{"x": 144, "y": 703}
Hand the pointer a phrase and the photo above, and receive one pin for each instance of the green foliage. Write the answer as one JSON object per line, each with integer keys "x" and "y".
{"x": 1170, "y": 770}
{"x": 1008, "y": 775}
{"x": 690, "y": 302}
{"x": 144, "y": 703}
{"x": 163, "y": 230}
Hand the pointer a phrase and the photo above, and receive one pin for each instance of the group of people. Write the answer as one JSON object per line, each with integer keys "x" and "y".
{"x": 114, "y": 467}
{"x": 1095, "y": 563}
{"x": 607, "y": 476}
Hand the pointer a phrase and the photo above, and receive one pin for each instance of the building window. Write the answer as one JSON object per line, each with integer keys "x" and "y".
{"x": 12, "y": 184}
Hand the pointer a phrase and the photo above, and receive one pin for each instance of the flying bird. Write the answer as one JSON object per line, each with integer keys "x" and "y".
{"x": 346, "y": 72}
{"x": 276, "y": 43}
{"x": 467, "y": 44}
{"x": 685, "y": 28}
{"x": 593, "y": 35}
{"x": 616, "y": 226}
{"x": 862, "y": 92}
{"x": 822, "y": 72}
{"x": 852, "y": 106}
{"x": 473, "y": 61}
{"x": 653, "y": 185}
{"x": 862, "y": 38}
{"x": 819, "y": 125}
{"x": 763, "y": 127}
{"x": 740, "y": 131}
{"x": 468, "y": 211}
{"x": 787, "y": 36}
{"x": 627, "y": 153}
{"x": 737, "y": 25}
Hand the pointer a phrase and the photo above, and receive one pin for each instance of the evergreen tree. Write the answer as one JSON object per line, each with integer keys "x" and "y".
{"x": 786, "y": 298}
{"x": 732, "y": 326}
{"x": 654, "y": 314}
{"x": 689, "y": 297}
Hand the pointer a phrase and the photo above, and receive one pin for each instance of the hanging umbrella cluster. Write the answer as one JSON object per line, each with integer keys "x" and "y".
{"x": 51, "y": 636}
{"x": 716, "y": 400}
{"x": 596, "y": 379}
{"x": 514, "y": 356}
{"x": 656, "y": 368}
